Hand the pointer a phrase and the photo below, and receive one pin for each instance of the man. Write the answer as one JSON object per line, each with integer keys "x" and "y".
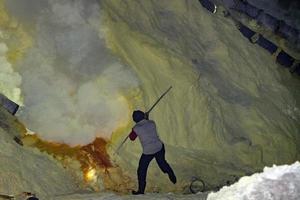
{"x": 145, "y": 129}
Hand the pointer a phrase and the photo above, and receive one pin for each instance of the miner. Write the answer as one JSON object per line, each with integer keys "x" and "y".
{"x": 153, "y": 147}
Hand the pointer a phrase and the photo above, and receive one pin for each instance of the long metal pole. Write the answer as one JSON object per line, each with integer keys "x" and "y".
{"x": 159, "y": 99}
{"x": 117, "y": 151}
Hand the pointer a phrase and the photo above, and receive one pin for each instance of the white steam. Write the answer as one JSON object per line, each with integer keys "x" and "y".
{"x": 73, "y": 87}
{"x": 10, "y": 80}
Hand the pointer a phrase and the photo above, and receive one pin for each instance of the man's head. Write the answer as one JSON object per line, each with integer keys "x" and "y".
{"x": 138, "y": 115}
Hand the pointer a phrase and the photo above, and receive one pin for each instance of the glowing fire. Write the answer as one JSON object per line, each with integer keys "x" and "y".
{"x": 98, "y": 172}
{"x": 90, "y": 156}
{"x": 91, "y": 175}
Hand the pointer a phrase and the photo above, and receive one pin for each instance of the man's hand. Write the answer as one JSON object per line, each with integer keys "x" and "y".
{"x": 132, "y": 135}
{"x": 146, "y": 115}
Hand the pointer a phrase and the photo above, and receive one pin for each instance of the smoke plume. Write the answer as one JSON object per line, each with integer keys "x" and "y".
{"x": 9, "y": 79}
{"x": 74, "y": 89}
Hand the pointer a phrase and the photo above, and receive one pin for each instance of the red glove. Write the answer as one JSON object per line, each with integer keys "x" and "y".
{"x": 132, "y": 135}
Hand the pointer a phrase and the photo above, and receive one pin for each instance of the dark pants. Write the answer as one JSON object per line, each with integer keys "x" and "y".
{"x": 144, "y": 163}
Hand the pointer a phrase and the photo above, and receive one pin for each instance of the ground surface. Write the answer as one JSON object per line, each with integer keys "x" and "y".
{"x": 110, "y": 196}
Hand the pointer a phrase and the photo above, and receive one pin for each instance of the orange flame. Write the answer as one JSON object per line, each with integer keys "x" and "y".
{"x": 90, "y": 175}
{"x": 94, "y": 162}
{"x": 90, "y": 156}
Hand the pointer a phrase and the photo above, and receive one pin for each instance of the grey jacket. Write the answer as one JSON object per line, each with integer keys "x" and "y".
{"x": 147, "y": 133}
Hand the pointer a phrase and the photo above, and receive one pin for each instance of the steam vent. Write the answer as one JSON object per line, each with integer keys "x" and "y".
{"x": 215, "y": 86}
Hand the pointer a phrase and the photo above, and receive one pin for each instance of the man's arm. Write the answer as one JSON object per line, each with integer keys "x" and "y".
{"x": 132, "y": 135}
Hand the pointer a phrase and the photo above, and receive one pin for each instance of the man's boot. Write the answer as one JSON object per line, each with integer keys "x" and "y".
{"x": 172, "y": 176}
{"x": 141, "y": 190}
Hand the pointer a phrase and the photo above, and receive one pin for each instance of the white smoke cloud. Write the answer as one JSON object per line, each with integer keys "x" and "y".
{"x": 73, "y": 87}
{"x": 10, "y": 80}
